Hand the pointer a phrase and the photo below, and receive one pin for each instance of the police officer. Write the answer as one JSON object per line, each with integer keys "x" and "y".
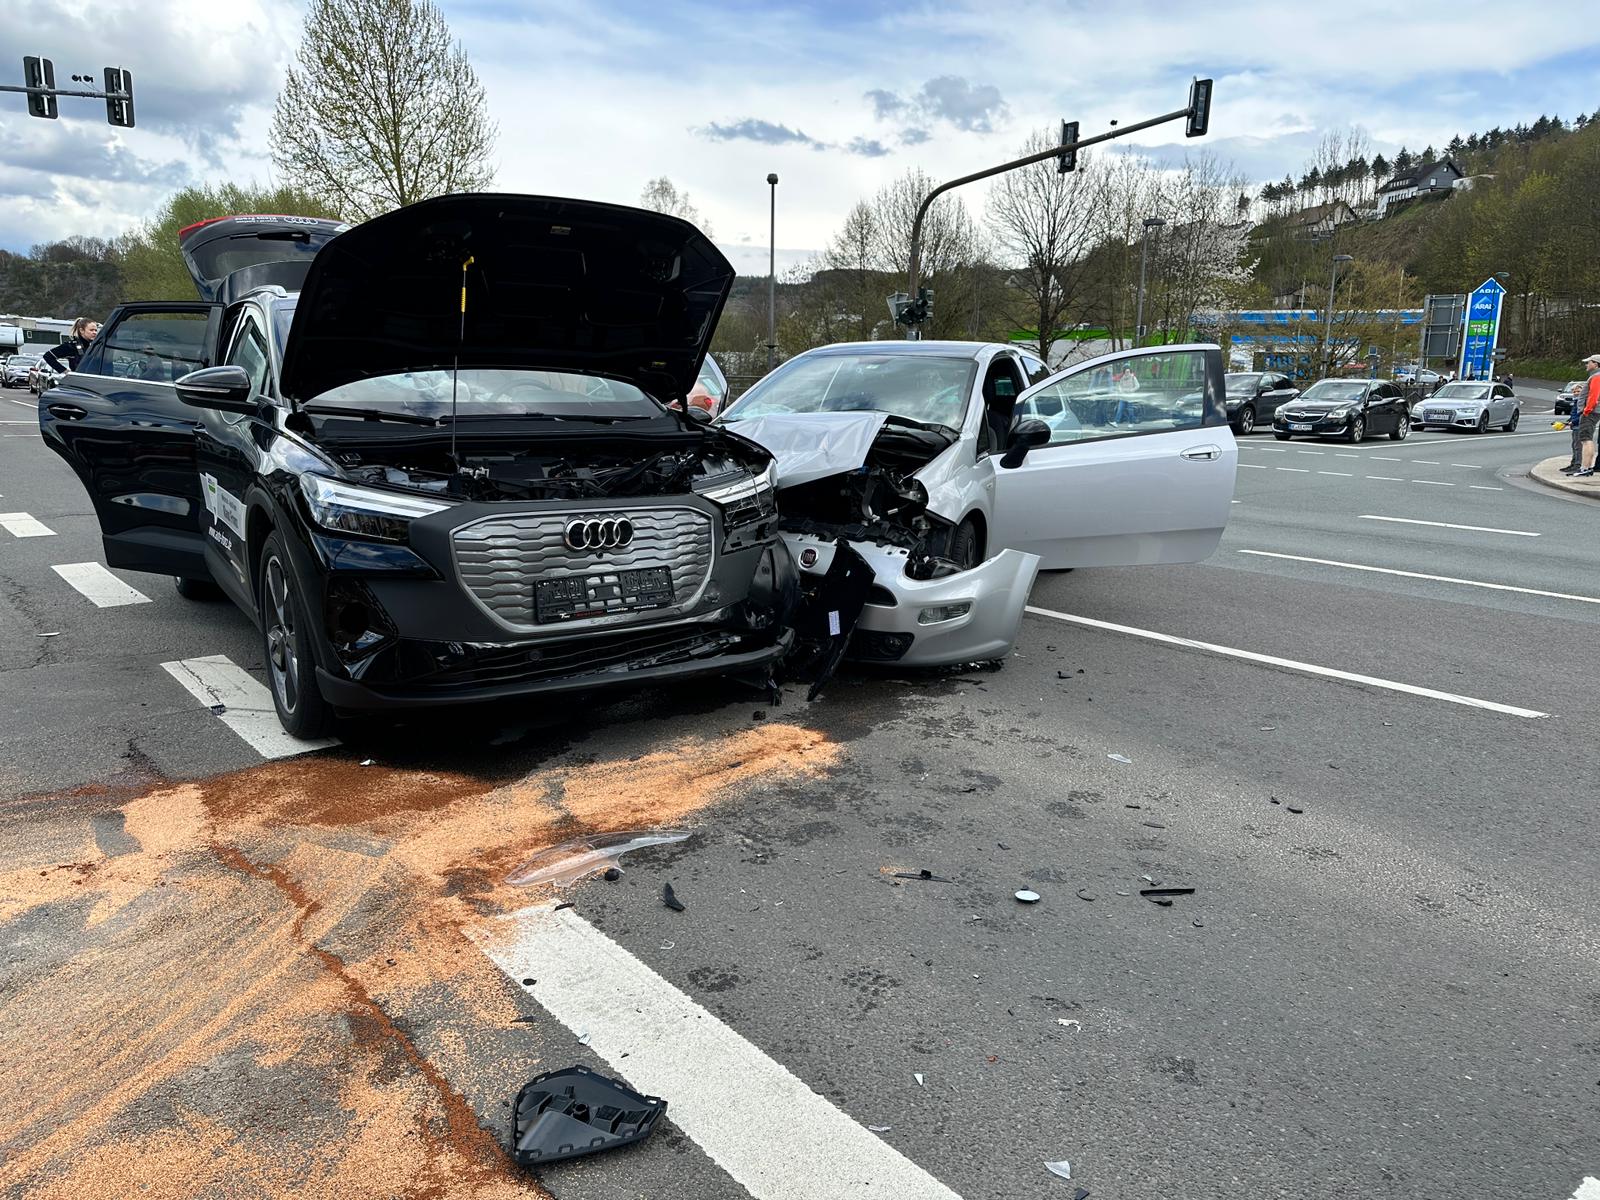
{"x": 65, "y": 357}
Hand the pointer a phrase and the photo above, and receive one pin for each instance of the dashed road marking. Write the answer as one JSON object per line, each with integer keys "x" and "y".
{"x": 1294, "y": 470}
{"x": 99, "y": 585}
{"x": 1273, "y": 449}
{"x": 1310, "y": 452}
{"x": 1292, "y": 665}
{"x": 1466, "y": 466}
{"x": 1341, "y": 474}
{"x": 665, "y": 1044}
{"x": 1448, "y": 525}
{"x": 1483, "y": 487}
{"x": 1427, "y": 462}
{"x": 1387, "y": 478}
{"x": 1337, "y": 454}
{"x": 1253, "y": 466}
{"x": 1433, "y": 482}
{"x": 1478, "y": 583}
{"x": 20, "y": 524}
{"x": 1384, "y": 458}
{"x": 246, "y": 704}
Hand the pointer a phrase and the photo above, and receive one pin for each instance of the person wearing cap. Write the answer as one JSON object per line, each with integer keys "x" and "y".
{"x": 1589, "y": 420}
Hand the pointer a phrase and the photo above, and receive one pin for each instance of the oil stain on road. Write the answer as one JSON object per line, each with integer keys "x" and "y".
{"x": 260, "y": 986}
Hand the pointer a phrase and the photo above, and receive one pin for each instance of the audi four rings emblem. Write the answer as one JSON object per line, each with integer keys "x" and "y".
{"x": 599, "y": 533}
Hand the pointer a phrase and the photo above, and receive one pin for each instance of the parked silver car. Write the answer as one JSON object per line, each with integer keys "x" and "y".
{"x": 1469, "y": 405}
{"x": 15, "y": 372}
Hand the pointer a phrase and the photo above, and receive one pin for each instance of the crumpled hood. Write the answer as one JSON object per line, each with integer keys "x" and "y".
{"x": 811, "y": 446}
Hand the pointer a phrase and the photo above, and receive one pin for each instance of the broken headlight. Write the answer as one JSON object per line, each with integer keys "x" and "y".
{"x": 364, "y": 512}
{"x": 744, "y": 500}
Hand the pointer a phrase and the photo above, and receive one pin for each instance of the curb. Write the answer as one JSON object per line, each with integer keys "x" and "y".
{"x": 1548, "y": 472}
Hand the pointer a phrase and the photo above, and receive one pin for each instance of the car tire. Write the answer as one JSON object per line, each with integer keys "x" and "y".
{"x": 1511, "y": 425}
{"x": 1483, "y": 423}
{"x": 965, "y": 549}
{"x": 1402, "y": 429}
{"x": 196, "y": 589}
{"x": 1282, "y": 437}
{"x": 286, "y": 642}
{"x": 1357, "y": 431}
{"x": 1247, "y": 420}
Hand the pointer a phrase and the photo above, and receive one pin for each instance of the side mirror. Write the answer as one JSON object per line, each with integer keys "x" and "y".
{"x": 1025, "y": 434}
{"x": 700, "y": 416}
{"x": 225, "y": 389}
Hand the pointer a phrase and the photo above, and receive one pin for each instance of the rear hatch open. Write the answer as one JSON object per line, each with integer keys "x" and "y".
{"x": 228, "y": 256}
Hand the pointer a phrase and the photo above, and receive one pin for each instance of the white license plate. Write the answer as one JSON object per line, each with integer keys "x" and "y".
{"x": 1300, "y": 428}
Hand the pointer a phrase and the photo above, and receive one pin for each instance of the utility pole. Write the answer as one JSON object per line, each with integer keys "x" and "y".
{"x": 772, "y": 273}
{"x": 1144, "y": 249}
{"x": 1327, "y": 340}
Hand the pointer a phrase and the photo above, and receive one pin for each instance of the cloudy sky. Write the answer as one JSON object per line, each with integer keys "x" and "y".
{"x": 837, "y": 96}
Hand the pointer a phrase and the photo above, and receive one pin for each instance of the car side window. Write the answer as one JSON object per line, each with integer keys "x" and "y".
{"x": 249, "y": 350}
{"x": 1144, "y": 393}
{"x": 1036, "y": 371}
{"x": 1002, "y": 384}
{"x": 157, "y": 347}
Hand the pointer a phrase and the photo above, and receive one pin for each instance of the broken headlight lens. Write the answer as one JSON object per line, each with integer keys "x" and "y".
{"x": 364, "y": 512}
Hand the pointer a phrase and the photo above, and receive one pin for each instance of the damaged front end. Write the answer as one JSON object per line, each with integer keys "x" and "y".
{"x": 853, "y": 508}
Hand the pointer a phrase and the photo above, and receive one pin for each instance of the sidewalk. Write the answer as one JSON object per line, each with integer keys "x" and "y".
{"x": 1549, "y": 473}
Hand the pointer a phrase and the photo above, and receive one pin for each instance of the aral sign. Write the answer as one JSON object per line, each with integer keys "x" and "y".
{"x": 1482, "y": 331}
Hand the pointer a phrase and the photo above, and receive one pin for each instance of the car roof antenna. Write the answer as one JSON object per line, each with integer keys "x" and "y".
{"x": 455, "y": 368}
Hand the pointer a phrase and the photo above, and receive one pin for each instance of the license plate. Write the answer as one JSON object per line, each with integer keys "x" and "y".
{"x": 599, "y": 595}
{"x": 1301, "y": 428}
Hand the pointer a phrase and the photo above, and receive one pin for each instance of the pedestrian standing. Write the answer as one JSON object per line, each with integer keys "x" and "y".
{"x": 1589, "y": 421}
{"x": 65, "y": 357}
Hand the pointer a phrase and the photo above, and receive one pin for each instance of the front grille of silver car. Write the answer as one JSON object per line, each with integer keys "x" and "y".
{"x": 500, "y": 560}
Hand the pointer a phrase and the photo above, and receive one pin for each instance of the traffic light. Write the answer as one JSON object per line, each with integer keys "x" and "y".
{"x": 1068, "y": 159}
{"x": 1199, "y": 108}
{"x": 40, "y": 73}
{"x": 119, "y": 108}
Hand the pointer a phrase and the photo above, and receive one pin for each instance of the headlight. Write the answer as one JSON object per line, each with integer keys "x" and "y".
{"x": 1339, "y": 414}
{"x": 753, "y": 489}
{"x": 364, "y": 512}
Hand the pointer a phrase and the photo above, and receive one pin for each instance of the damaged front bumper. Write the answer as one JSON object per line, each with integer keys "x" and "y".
{"x": 965, "y": 616}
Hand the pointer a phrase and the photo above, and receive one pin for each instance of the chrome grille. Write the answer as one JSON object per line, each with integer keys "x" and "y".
{"x": 500, "y": 559}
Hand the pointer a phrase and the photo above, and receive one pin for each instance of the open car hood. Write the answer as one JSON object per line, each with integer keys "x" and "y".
{"x": 555, "y": 285}
{"x": 227, "y": 256}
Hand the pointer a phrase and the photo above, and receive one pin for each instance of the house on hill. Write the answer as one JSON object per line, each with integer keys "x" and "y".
{"x": 1318, "y": 222}
{"x": 1431, "y": 182}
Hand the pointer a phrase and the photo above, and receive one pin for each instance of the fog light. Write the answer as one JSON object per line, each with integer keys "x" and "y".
{"x": 943, "y": 612}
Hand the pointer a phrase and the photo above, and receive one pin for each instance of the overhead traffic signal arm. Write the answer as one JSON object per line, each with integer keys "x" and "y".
{"x": 39, "y": 83}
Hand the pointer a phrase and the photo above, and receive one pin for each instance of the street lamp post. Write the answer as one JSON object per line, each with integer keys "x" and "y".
{"x": 1327, "y": 340}
{"x": 772, "y": 272}
{"x": 1144, "y": 250}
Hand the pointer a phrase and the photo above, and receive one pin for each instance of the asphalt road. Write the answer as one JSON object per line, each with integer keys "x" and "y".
{"x": 226, "y": 973}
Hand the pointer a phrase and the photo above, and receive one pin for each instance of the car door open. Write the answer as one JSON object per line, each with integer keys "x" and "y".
{"x": 118, "y": 422}
{"x": 1139, "y": 467}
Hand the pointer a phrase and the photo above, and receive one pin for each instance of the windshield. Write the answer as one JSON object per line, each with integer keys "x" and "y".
{"x": 924, "y": 388}
{"x": 1241, "y": 383}
{"x": 1463, "y": 391}
{"x": 485, "y": 393}
{"x": 1335, "y": 389}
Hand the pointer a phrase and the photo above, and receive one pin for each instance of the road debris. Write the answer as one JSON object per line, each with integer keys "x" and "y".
{"x": 1062, "y": 1169}
{"x": 572, "y": 860}
{"x": 367, "y": 762}
{"x": 612, "y": 874}
{"x": 57, "y": 633}
{"x": 1151, "y": 892}
{"x": 918, "y": 1078}
{"x": 1085, "y": 894}
{"x": 879, "y": 1128}
{"x": 583, "y": 1037}
{"x": 922, "y": 874}
{"x": 1268, "y": 728}
{"x": 1080, "y": 1194}
{"x": 1294, "y": 808}
{"x": 1069, "y": 1023}
{"x": 1121, "y": 758}
{"x": 569, "y": 1113}
{"x": 670, "y": 898}
{"x": 1028, "y": 897}
{"x": 669, "y": 945}
{"x": 1153, "y": 825}
{"x": 1199, "y": 924}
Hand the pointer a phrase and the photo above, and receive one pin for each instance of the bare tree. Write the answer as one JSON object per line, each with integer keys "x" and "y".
{"x": 950, "y": 257}
{"x": 662, "y": 195}
{"x": 381, "y": 108}
{"x": 1044, "y": 223}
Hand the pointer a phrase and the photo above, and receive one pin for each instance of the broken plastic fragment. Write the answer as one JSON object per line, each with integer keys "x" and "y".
{"x": 1081, "y": 1194}
{"x": 918, "y": 1078}
{"x": 1061, "y": 1169}
{"x": 367, "y": 762}
{"x": 1121, "y": 758}
{"x": 879, "y": 1128}
{"x": 1268, "y": 728}
{"x": 1085, "y": 894}
{"x": 612, "y": 875}
{"x": 1028, "y": 897}
{"x": 219, "y": 709}
{"x": 1294, "y": 808}
{"x": 572, "y": 860}
{"x": 565, "y": 1114}
{"x": 1154, "y": 825}
{"x": 583, "y": 1038}
{"x": 670, "y": 898}
{"x": 1166, "y": 891}
{"x": 922, "y": 874}
{"x": 57, "y": 633}
{"x": 1070, "y": 1024}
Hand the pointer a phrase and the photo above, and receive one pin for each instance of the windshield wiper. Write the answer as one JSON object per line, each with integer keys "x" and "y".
{"x": 371, "y": 414}
{"x": 538, "y": 416}
{"x": 897, "y": 419}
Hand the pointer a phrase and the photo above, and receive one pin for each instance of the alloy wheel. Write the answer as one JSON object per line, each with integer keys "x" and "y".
{"x": 283, "y": 660}
{"x": 1247, "y": 419}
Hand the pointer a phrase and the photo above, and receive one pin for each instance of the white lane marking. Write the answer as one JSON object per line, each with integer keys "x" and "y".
{"x": 247, "y": 704}
{"x": 1589, "y": 1189}
{"x": 1309, "y": 452}
{"x": 1341, "y": 474}
{"x": 1497, "y": 587}
{"x": 667, "y": 1045}
{"x": 1448, "y": 525}
{"x": 1384, "y": 458}
{"x": 22, "y": 525}
{"x": 1336, "y": 454}
{"x": 1427, "y": 462}
{"x": 1387, "y": 478}
{"x": 1235, "y": 501}
{"x": 1294, "y": 470}
{"x": 1483, "y": 487}
{"x": 1490, "y": 437}
{"x": 1465, "y": 466}
{"x": 99, "y": 584}
{"x": 1253, "y": 466}
{"x": 1273, "y": 449}
{"x": 18, "y": 422}
{"x": 1433, "y": 482}
{"x": 1292, "y": 665}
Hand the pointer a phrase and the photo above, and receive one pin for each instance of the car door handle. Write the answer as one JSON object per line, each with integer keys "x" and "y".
{"x": 67, "y": 412}
{"x": 1203, "y": 453}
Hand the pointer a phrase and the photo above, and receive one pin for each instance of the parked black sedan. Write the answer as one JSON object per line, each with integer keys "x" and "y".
{"x": 1346, "y": 408}
{"x": 447, "y": 469}
{"x": 1253, "y": 396}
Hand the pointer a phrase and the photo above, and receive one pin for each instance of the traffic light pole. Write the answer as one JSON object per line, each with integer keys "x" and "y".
{"x": 39, "y": 86}
{"x": 1197, "y": 113}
